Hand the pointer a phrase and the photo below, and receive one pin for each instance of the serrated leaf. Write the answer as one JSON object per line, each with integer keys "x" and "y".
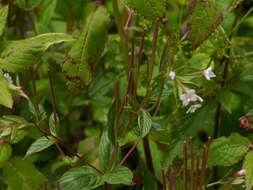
{"x": 22, "y": 175}
{"x": 226, "y": 151}
{"x": 5, "y": 153}
{"x": 83, "y": 178}
{"x": 22, "y": 54}
{"x": 86, "y": 51}
{"x": 105, "y": 151}
{"x": 248, "y": 166}
{"x": 3, "y": 18}
{"x": 5, "y": 95}
{"x": 39, "y": 145}
{"x": 190, "y": 128}
{"x": 151, "y": 9}
{"x": 121, "y": 175}
{"x": 28, "y": 4}
{"x": 144, "y": 123}
{"x": 205, "y": 18}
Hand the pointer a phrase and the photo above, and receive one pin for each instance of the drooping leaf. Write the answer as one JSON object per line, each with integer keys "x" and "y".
{"x": 105, "y": 151}
{"x": 205, "y": 18}
{"x": 22, "y": 175}
{"x": 226, "y": 151}
{"x": 83, "y": 178}
{"x": 248, "y": 166}
{"x": 28, "y": 4}
{"x": 144, "y": 123}
{"x": 190, "y": 128}
{"x": 119, "y": 176}
{"x": 39, "y": 145}
{"x": 5, "y": 153}
{"x": 3, "y": 18}
{"x": 5, "y": 95}
{"x": 22, "y": 54}
{"x": 86, "y": 51}
{"x": 54, "y": 124}
{"x": 151, "y": 9}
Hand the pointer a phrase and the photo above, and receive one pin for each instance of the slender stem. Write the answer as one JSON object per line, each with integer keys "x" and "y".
{"x": 129, "y": 152}
{"x": 192, "y": 165}
{"x": 154, "y": 47}
{"x": 171, "y": 181}
{"x": 164, "y": 181}
{"x": 52, "y": 94}
{"x": 130, "y": 14}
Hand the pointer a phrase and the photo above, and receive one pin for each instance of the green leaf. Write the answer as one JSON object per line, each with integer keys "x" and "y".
{"x": 121, "y": 175}
{"x": 151, "y": 9}
{"x": 201, "y": 120}
{"x": 28, "y": 4}
{"x": 144, "y": 123}
{"x": 149, "y": 181}
{"x": 248, "y": 166}
{"x": 22, "y": 54}
{"x": 54, "y": 124}
{"x": 5, "y": 95}
{"x": 3, "y": 18}
{"x": 83, "y": 178}
{"x": 5, "y": 153}
{"x": 229, "y": 100}
{"x": 226, "y": 151}
{"x": 105, "y": 151}
{"x": 206, "y": 17}
{"x": 39, "y": 145}
{"x": 86, "y": 51}
{"x": 47, "y": 9}
{"x": 22, "y": 175}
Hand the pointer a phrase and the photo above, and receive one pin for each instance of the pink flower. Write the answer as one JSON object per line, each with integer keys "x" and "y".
{"x": 172, "y": 75}
{"x": 208, "y": 73}
{"x": 190, "y": 96}
{"x": 240, "y": 173}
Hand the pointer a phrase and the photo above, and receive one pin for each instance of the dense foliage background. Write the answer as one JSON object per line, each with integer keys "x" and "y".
{"x": 126, "y": 94}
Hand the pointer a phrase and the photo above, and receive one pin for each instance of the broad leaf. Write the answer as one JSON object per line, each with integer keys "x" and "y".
{"x": 39, "y": 145}
{"x": 83, "y": 178}
{"x": 144, "y": 123}
{"x": 3, "y": 18}
{"x": 86, "y": 51}
{"x": 5, "y": 153}
{"x": 5, "y": 95}
{"x": 119, "y": 176}
{"x": 190, "y": 128}
{"x": 151, "y": 9}
{"x": 28, "y": 4}
{"x": 22, "y": 175}
{"x": 226, "y": 151}
{"x": 248, "y": 166}
{"x": 229, "y": 100}
{"x": 206, "y": 17}
{"x": 22, "y": 54}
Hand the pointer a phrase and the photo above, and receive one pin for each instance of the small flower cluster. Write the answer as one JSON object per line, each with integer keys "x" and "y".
{"x": 189, "y": 95}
